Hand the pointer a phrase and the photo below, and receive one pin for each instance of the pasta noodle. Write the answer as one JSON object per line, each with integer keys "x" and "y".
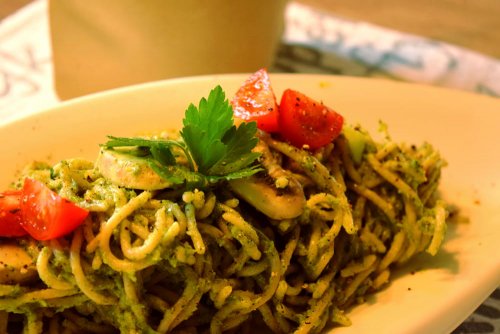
{"x": 206, "y": 261}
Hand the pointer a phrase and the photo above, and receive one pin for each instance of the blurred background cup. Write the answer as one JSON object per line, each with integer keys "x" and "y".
{"x": 98, "y": 45}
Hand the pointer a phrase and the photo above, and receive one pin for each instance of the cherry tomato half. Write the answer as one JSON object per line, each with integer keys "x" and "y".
{"x": 46, "y": 215}
{"x": 255, "y": 101}
{"x": 304, "y": 121}
{"x": 10, "y": 214}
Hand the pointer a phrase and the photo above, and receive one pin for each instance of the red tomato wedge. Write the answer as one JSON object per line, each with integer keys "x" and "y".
{"x": 255, "y": 101}
{"x": 304, "y": 121}
{"x": 46, "y": 215}
{"x": 10, "y": 214}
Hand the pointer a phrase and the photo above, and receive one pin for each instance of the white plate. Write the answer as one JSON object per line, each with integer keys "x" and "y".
{"x": 465, "y": 127}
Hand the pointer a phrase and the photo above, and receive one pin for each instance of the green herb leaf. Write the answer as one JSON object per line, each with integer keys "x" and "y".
{"x": 159, "y": 150}
{"x": 204, "y": 128}
{"x": 179, "y": 175}
{"x": 239, "y": 143}
{"x": 218, "y": 147}
{"x": 213, "y": 146}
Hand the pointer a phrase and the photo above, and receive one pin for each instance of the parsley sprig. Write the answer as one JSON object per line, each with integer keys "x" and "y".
{"x": 214, "y": 148}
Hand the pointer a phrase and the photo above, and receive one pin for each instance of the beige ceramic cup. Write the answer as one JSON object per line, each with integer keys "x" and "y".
{"x": 98, "y": 45}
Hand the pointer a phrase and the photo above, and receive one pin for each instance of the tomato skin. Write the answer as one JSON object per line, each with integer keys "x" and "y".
{"x": 304, "y": 121}
{"x": 46, "y": 215}
{"x": 255, "y": 101}
{"x": 10, "y": 214}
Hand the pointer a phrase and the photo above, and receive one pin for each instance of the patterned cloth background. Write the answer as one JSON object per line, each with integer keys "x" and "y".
{"x": 360, "y": 48}
{"x": 313, "y": 42}
{"x": 25, "y": 63}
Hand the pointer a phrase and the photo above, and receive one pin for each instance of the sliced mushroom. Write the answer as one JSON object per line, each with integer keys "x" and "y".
{"x": 275, "y": 193}
{"x": 128, "y": 171}
{"x": 16, "y": 265}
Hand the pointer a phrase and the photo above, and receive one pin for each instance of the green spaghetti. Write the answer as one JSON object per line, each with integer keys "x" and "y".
{"x": 210, "y": 260}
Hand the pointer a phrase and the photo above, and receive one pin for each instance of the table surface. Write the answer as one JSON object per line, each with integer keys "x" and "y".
{"x": 474, "y": 25}
{"x": 471, "y": 24}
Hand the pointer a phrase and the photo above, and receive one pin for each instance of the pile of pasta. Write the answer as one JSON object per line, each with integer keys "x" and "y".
{"x": 179, "y": 261}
